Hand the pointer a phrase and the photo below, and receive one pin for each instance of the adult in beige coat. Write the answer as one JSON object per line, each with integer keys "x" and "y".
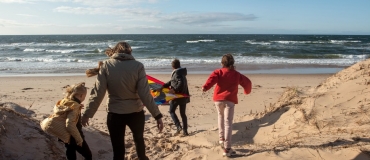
{"x": 124, "y": 79}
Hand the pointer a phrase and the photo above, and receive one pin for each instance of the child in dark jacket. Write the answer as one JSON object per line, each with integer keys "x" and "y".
{"x": 179, "y": 84}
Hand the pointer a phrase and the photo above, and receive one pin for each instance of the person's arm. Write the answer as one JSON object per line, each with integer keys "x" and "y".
{"x": 246, "y": 83}
{"x": 212, "y": 80}
{"x": 147, "y": 99}
{"x": 145, "y": 96}
{"x": 96, "y": 96}
{"x": 71, "y": 121}
{"x": 166, "y": 85}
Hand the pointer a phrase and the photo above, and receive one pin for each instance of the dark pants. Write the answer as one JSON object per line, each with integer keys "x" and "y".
{"x": 117, "y": 127}
{"x": 173, "y": 107}
{"x": 72, "y": 147}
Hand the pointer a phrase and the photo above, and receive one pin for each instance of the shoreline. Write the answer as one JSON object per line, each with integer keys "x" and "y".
{"x": 197, "y": 71}
{"x": 191, "y": 68}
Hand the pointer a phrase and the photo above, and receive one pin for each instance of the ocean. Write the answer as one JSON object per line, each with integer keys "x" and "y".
{"x": 286, "y": 54}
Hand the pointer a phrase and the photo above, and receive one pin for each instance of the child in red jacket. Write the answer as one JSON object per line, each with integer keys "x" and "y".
{"x": 225, "y": 97}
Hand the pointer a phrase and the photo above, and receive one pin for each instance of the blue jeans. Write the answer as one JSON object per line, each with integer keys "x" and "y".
{"x": 173, "y": 106}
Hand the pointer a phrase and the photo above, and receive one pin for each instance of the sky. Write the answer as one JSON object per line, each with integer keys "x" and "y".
{"x": 44, "y": 17}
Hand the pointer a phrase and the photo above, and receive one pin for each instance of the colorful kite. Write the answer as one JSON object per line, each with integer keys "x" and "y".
{"x": 164, "y": 96}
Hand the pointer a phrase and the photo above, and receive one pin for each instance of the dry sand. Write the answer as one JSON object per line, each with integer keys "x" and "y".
{"x": 285, "y": 117}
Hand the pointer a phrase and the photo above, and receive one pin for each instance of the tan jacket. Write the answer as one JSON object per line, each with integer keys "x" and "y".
{"x": 124, "y": 79}
{"x": 62, "y": 123}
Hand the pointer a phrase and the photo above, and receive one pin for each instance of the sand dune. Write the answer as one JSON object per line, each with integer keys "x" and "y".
{"x": 285, "y": 117}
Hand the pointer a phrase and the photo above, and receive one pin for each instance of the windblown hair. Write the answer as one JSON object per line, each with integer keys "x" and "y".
{"x": 94, "y": 71}
{"x": 228, "y": 61}
{"x": 176, "y": 63}
{"x": 121, "y": 47}
{"x": 76, "y": 89}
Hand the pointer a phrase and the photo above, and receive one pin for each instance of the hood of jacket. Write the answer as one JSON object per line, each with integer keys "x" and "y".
{"x": 122, "y": 56}
{"x": 180, "y": 71}
{"x": 65, "y": 105}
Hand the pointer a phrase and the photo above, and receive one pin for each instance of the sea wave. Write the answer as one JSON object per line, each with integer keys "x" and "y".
{"x": 202, "y": 40}
{"x": 260, "y": 43}
{"x": 333, "y": 59}
{"x": 345, "y": 61}
{"x": 69, "y": 65}
{"x": 300, "y": 42}
{"x": 34, "y": 50}
{"x": 59, "y": 44}
{"x": 62, "y": 50}
{"x": 16, "y": 59}
{"x": 343, "y": 41}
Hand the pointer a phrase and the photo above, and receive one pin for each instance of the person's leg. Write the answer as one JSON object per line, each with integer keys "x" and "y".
{"x": 116, "y": 127}
{"x": 184, "y": 118}
{"x": 220, "y": 106}
{"x": 173, "y": 107}
{"x": 71, "y": 149}
{"x": 229, "y": 115}
{"x": 84, "y": 150}
{"x": 136, "y": 122}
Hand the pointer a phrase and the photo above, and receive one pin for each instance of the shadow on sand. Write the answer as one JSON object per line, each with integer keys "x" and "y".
{"x": 247, "y": 130}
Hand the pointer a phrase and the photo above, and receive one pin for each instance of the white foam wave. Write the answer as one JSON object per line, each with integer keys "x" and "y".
{"x": 34, "y": 50}
{"x": 202, "y": 40}
{"x": 345, "y": 61}
{"x": 69, "y": 51}
{"x": 61, "y": 50}
{"x": 363, "y": 56}
{"x": 50, "y": 65}
{"x": 44, "y": 60}
{"x": 359, "y": 48}
{"x": 343, "y": 41}
{"x": 298, "y": 42}
{"x": 60, "y": 44}
{"x": 192, "y": 41}
{"x": 137, "y": 47}
{"x": 259, "y": 43}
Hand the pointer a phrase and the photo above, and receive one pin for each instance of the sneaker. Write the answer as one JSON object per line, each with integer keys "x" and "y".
{"x": 228, "y": 152}
{"x": 221, "y": 141}
{"x": 185, "y": 133}
{"x": 178, "y": 129}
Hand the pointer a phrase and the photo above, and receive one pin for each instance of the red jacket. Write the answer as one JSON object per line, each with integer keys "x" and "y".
{"x": 227, "y": 81}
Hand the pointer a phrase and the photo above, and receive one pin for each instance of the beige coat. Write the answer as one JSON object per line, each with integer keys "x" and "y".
{"x": 62, "y": 123}
{"x": 124, "y": 79}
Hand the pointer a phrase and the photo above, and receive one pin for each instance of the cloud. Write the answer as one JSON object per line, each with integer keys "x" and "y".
{"x": 6, "y": 23}
{"x": 125, "y": 12}
{"x": 12, "y": 23}
{"x": 153, "y": 15}
{"x": 31, "y": 1}
{"x": 87, "y": 2}
{"x": 26, "y": 15}
{"x": 112, "y": 2}
{"x": 205, "y": 18}
{"x": 147, "y": 27}
{"x": 118, "y": 27}
{"x": 15, "y": 1}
